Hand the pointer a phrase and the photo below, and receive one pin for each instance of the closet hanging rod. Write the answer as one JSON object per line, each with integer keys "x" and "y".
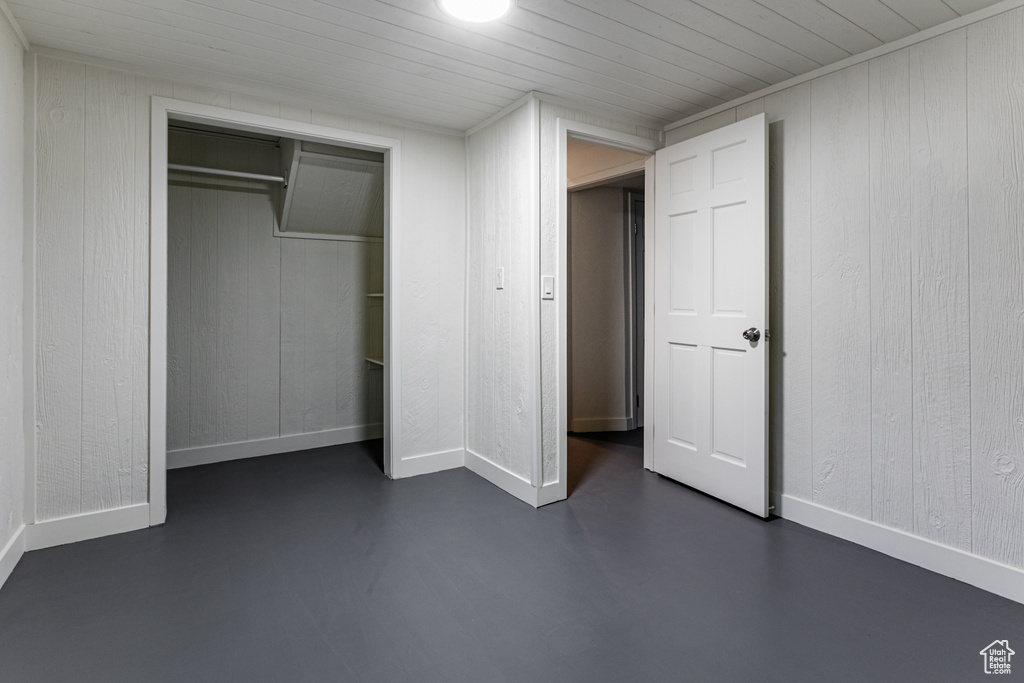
{"x": 230, "y": 174}
{"x": 225, "y": 135}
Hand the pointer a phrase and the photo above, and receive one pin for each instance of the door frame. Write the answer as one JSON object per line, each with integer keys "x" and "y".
{"x": 636, "y": 288}
{"x": 615, "y": 140}
{"x": 165, "y": 109}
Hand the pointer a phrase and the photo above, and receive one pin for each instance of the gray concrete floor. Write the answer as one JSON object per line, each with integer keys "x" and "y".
{"x": 314, "y": 567}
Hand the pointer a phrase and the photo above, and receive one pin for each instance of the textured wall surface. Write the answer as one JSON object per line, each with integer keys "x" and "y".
{"x": 92, "y": 244}
{"x": 897, "y": 287}
{"x": 498, "y": 363}
{"x": 267, "y": 336}
{"x": 12, "y": 397}
{"x": 597, "y": 244}
{"x": 433, "y": 296}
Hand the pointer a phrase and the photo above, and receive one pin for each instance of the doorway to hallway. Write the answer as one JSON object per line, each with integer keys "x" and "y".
{"x": 605, "y": 311}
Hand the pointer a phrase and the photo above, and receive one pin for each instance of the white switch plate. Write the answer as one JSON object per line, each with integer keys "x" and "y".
{"x": 547, "y": 287}
{"x": 499, "y": 279}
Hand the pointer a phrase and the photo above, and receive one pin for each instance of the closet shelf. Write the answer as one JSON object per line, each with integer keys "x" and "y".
{"x": 375, "y": 361}
{"x": 376, "y": 294}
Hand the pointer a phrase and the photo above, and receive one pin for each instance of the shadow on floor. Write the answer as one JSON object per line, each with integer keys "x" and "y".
{"x": 374, "y": 452}
{"x": 591, "y": 451}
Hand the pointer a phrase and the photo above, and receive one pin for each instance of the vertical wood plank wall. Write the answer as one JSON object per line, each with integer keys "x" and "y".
{"x": 60, "y": 168}
{"x": 897, "y": 288}
{"x": 940, "y": 291}
{"x": 995, "y": 148}
{"x": 91, "y": 240}
{"x": 892, "y": 425}
{"x": 433, "y": 295}
{"x": 107, "y": 274}
{"x": 241, "y": 365}
{"x": 500, "y": 183}
{"x": 12, "y": 318}
{"x": 840, "y": 291}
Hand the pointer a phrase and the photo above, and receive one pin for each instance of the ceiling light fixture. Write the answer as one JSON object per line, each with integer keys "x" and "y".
{"x": 475, "y": 11}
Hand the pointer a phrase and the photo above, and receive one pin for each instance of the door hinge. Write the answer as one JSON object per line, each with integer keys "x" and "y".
{"x": 638, "y": 400}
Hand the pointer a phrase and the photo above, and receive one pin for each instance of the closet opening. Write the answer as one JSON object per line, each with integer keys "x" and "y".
{"x": 271, "y": 282}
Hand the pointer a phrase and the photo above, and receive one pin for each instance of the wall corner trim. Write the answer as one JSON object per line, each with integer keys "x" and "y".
{"x": 980, "y": 572}
{"x": 11, "y": 554}
{"x": 86, "y": 526}
{"x": 15, "y": 26}
{"x": 505, "y": 111}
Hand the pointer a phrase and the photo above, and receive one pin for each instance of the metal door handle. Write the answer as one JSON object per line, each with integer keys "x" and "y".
{"x": 753, "y": 334}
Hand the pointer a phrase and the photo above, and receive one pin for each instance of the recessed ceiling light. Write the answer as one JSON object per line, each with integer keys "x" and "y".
{"x": 476, "y": 11}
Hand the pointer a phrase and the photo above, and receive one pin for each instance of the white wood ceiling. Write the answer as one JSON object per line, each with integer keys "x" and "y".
{"x": 647, "y": 61}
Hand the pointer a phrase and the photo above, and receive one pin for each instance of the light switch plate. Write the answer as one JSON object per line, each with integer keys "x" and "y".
{"x": 499, "y": 278}
{"x": 547, "y": 287}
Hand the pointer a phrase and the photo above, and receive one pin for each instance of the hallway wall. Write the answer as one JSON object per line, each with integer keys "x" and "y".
{"x": 599, "y": 396}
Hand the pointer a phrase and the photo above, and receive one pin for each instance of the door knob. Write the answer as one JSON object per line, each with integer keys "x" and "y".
{"x": 752, "y": 335}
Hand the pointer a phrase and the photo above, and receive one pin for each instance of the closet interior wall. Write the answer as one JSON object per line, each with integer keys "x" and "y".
{"x": 267, "y": 336}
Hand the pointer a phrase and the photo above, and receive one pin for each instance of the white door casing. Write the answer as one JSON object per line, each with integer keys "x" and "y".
{"x": 164, "y": 109}
{"x": 711, "y": 266}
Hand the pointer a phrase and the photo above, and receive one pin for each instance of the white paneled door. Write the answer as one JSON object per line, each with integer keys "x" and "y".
{"x": 711, "y": 313}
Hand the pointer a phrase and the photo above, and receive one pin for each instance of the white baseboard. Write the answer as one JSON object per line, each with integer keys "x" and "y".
{"x": 11, "y": 554}
{"x": 986, "y": 574}
{"x": 51, "y": 532}
{"x": 551, "y": 493}
{"x": 601, "y": 424}
{"x": 205, "y": 455}
{"x": 429, "y": 463}
{"x": 514, "y": 484}
{"x": 502, "y": 478}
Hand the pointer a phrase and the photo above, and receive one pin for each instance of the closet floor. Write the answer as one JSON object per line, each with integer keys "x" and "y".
{"x": 313, "y": 566}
